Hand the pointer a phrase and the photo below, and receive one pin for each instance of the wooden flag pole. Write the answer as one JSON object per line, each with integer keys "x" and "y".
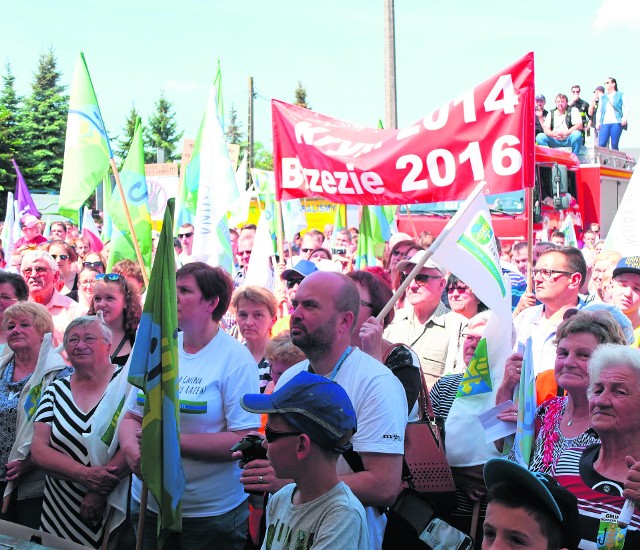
{"x": 529, "y": 191}
{"x": 144, "y": 496}
{"x": 279, "y": 231}
{"x": 413, "y": 225}
{"x": 134, "y": 239}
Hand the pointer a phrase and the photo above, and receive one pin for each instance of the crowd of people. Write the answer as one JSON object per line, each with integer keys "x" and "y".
{"x": 304, "y": 363}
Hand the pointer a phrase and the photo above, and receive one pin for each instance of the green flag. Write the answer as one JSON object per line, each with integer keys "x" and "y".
{"x": 374, "y": 232}
{"x": 134, "y": 185}
{"x": 86, "y": 151}
{"x": 154, "y": 369}
{"x": 476, "y": 379}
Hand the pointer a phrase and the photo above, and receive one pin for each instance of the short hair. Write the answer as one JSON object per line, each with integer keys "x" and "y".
{"x": 573, "y": 258}
{"x": 213, "y": 282}
{"x": 249, "y": 227}
{"x": 512, "y": 494}
{"x": 599, "y": 323}
{"x": 232, "y": 231}
{"x": 325, "y": 251}
{"x": 33, "y": 255}
{"x": 609, "y": 355}
{"x": 344, "y": 231}
{"x": 319, "y": 235}
{"x": 61, "y": 224}
{"x": 86, "y": 320}
{"x": 608, "y": 256}
{"x": 426, "y": 238}
{"x": 132, "y": 311}
{"x": 42, "y": 320}
{"x": 379, "y": 291}
{"x": 17, "y": 282}
{"x": 187, "y": 224}
{"x": 346, "y": 297}
{"x": 256, "y": 295}
{"x": 558, "y": 233}
{"x": 589, "y": 232}
{"x": 453, "y": 279}
{"x": 129, "y": 268}
{"x": 281, "y": 348}
{"x": 73, "y": 255}
{"x": 562, "y": 96}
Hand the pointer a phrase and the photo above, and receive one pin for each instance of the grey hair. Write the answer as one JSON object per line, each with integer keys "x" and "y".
{"x": 33, "y": 255}
{"x": 478, "y": 319}
{"x": 85, "y": 320}
{"x": 612, "y": 355}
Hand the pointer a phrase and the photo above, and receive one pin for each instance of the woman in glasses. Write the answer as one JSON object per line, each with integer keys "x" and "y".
{"x": 121, "y": 310}
{"x": 12, "y": 289}
{"x": 462, "y": 300}
{"x": 66, "y": 258}
{"x": 86, "y": 282}
{"x": 94, "y": 260}
{"x": 398, "y": 253}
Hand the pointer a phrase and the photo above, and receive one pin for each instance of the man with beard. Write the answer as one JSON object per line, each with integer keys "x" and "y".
{"x": 326, "y": 308}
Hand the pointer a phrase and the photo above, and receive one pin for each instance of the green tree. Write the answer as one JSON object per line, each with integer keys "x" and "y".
{"x": 10, "y": 132}
{"x": 162, "y": 132}
{"x": 262, "y": 158}
{"x": 44, "y": 118}
{"x": 233, "y": 133}
{"x": 301, "y": 96}
{"x": 124, "y": 141}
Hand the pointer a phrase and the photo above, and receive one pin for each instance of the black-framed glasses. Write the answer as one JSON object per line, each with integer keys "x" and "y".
{"x": 93, "y": 264}
{"x": 421, "y": 279}
{"x": 271, "y": 435}
{"x": 366, "y": 304}
{"x": 293, "y": 282}
{"x": 108, "y": 276}
{"x": 547, "y": 274}
{"x": 185, "y": 235}
{"x": 61, "y": 256}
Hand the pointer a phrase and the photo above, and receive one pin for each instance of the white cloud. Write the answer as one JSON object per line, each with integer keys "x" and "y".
{"x": 614, "y": 14}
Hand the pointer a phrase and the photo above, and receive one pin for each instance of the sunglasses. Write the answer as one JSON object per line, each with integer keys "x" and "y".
{"x": 293, "y": 282}
{"x": 61, "y": 256}
{"x": 108, "y": 276}
{"x": 420, "y": 280}
{"x": 460, "y": 289}
{"x": 93, "y": 264}
{"x": 185, "y": 235}
{"x": 271, "y": 435}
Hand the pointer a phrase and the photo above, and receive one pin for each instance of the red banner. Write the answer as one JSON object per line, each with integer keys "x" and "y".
{"x": 485, "y": 134}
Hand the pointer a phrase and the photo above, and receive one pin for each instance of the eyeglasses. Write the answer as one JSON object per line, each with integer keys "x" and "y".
{"x": 472, "y": 338}
{"x": 366, "y": 304}
{"x": 460, "y": 289}
{"x": 307, "y": 250}
{"x": 547, "y": 274}
{"x": 577, "y": 91}
{"x": 185, "y": 235}
{"x": 398, "y": 252}
{"x": 271, "y": 435}
{"x": 244, "y": 253}
{"x": 4, "y": 298}
{"x": 93, "y": 264}
{"x": 420, "y": 279}
{"x": 38, "y": 271}
{"x": 61, "y": 256}
{"x": 89, "y": 339}
{"x": 108, "y": 276}
{"x": 88, "y": 282}
{"x": 293, "y": 282}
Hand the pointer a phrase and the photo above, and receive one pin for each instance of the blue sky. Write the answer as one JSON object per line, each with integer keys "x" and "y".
{"x": 135, "y": 49}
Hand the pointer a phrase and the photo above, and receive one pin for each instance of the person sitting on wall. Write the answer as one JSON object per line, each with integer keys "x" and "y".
{"x": 562, "y": 128}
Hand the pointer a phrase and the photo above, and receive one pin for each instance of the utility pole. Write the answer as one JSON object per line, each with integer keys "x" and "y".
{"x": 249, "y": 152}
{"x": 390, "y": 101}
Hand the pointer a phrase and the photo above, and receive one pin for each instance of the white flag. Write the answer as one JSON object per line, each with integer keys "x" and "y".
{"x": 624, "y": 234}
{"x": 294, "y": 219}
{"x": 239, "y": 211}
{"x": 569, "y": 231}
{"x": 260, "y": 270}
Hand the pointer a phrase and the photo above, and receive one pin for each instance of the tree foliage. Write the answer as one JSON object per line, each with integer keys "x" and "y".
{"x": 162, "y": 132}
{"x": 301, "y": 96}
{"x": 124, "y": 141}
{"x": 11, "y": 141}
{"x": 44, "y": 121}
{"x": 233, "y": 133}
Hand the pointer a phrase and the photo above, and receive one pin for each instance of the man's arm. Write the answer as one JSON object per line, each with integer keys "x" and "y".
{"x": 212, "y": 447}
{"x": 380, "y": 482}
{"x": 575, "y": 116}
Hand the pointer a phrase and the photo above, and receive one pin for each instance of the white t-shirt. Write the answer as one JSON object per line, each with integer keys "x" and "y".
{"x": 381, "y": 411}
{"x": 211, "y": 382}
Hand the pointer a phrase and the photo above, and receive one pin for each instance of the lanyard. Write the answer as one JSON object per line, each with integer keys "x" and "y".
{"x": 338, "y": 366}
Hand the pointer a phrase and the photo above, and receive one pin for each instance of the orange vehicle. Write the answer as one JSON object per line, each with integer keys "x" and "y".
{"x": 589, "y": 188}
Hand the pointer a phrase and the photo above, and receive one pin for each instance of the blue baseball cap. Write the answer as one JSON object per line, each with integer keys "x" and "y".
{"x": 630, "y": 264}
{"x": 303, "y": 267}
{"x": 314, "y": 404}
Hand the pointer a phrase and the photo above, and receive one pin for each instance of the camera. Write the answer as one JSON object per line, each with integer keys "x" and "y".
{"x": 339, "y": 251}
{"x": 251, "y": 448}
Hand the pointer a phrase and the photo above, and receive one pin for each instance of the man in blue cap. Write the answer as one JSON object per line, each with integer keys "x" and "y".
{"x": 311, "y": 421}
{"x": 625, "y": 291}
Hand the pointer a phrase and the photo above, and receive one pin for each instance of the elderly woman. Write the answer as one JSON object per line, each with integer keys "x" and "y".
{"x": 12, "y": 289}
{"x": 367, "y": 334}
{"x": 255, "y": 309}
{"x": 604, "y": 474}
{"x": 215, "y": 371}
{"x": 25, "y": 372}
{"x": 462, "y": 300}
{"x": 563, "y": 421}
{"x": 86, "y": 282}
{"x": 603, "y": 265}
{"x": 66, "y": 258}
{"x": 121, "y": 311}
{"x": 75, "y": 443}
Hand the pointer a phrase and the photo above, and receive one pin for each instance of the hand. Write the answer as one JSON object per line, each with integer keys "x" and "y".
{"x": 92, "y": 508}
{"x": 623, "y": 121}
{"x": 509, "y": 415}
{"x": 132, "y": 455}
{"x": 101, "y": 479}
{"x": 528, "y": 299}
{"x": 18, "y": 468}
{"x": 632, "y": 483}
{"x": 371, "y": 337}
{"x": 257, "y": 470}
{"x": 512, "y": 370}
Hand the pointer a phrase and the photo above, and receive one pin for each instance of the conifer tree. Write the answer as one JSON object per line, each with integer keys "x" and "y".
{"x": 124, "y": 142}
{"x": 162, "y": 132}
{"x": 301, "y": 96}
{"x": 10, "y": 131}
{"x": 233, "y": 132}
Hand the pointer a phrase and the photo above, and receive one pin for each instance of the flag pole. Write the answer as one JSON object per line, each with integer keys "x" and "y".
{"x": 144, "y": 495}
{"x": 529, "y": 192}
{"x": 134, "y": 239}
{"x": 429, "y": 252}
{"x": 413, "y": 225}
{"x": 279, "y": 231}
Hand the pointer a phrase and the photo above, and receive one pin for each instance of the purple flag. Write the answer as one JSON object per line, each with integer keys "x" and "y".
{"x": 25, "y": 202}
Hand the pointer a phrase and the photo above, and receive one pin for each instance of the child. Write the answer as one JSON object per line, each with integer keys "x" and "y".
{"x": 528, "y": 510}
{"x": 311, "y": 421}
